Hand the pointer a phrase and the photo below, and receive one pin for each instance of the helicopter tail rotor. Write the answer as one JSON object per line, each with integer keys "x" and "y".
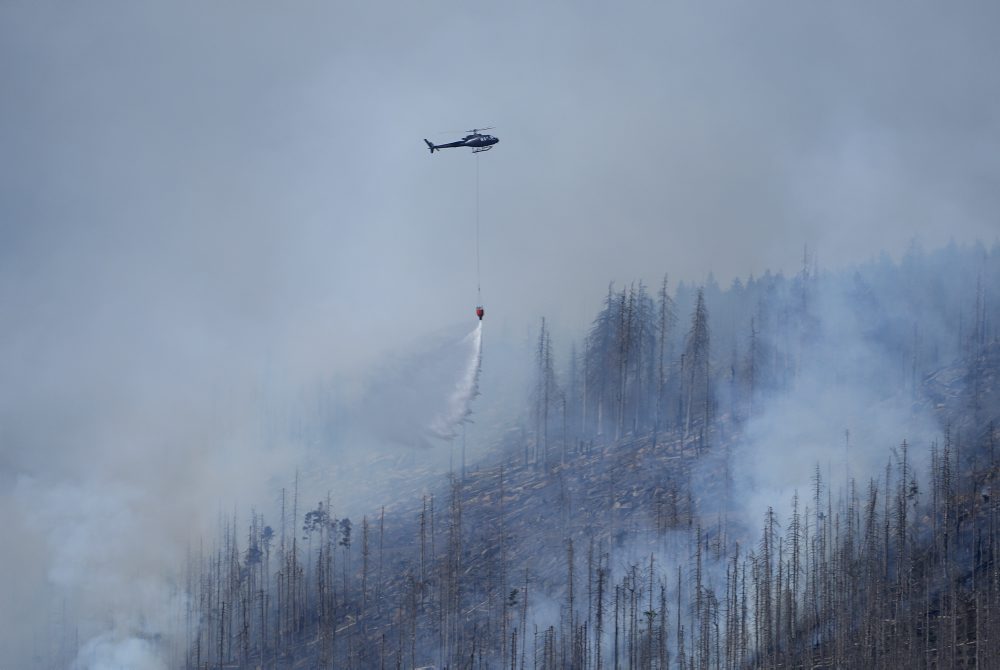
{"x": 430, "y": 146}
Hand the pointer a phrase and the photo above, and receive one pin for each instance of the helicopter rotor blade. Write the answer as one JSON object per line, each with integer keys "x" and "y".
{"x": 476, "y": 130}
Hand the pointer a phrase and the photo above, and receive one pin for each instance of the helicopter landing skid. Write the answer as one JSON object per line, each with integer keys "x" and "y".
{"x": 482, "y": 149}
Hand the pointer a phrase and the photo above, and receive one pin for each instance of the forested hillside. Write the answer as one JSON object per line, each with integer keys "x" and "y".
{"x": 788, "y": 472}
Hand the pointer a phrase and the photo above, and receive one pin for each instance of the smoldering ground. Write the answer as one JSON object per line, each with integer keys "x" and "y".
{"x": 114, "y": 539}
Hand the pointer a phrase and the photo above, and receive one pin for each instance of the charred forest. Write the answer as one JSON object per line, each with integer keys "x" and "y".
{"x": 790, "y": 472}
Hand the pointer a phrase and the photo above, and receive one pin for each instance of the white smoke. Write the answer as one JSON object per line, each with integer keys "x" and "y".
{"x": 111, "y": 652}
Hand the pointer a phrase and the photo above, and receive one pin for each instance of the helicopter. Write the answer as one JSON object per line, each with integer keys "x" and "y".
{"x": 475, "y": 139}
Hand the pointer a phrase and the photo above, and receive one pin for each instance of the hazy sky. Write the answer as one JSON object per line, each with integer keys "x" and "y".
{"x": 196, "y": 194}
{"x": 234, "y": 172}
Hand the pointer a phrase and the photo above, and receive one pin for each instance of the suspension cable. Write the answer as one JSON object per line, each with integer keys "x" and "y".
{"x": 479, "y": 289}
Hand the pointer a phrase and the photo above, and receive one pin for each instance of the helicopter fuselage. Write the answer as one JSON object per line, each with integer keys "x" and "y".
{"x": 477, "y": 142}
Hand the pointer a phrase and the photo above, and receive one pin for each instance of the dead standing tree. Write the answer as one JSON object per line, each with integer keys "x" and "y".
{"x": 546, "y": 393}
{"x": 665, "y": 326}
{"x": 698, "y": 400}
